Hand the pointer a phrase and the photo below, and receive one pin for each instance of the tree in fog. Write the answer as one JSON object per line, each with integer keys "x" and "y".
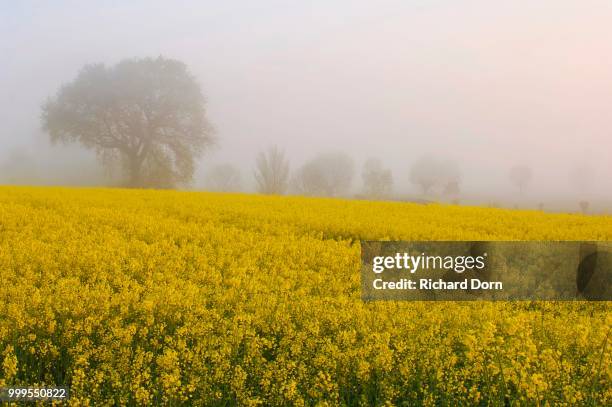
{"x": 521, "y": 176}
{"x": 584, "y": 206}
{"x": 377, "y": 181}
{"x": 272, "y": 172}
{"x": 147, "y": 115}
{"x": 223, "y": 178}
{"x": 431, "y": 173}
{"x": 329, "y": 174}
{"x": 450, "y": 179}
{"x": 452, "y": 191}
{"x": 424, "y": 173}
{"x": 452, "y": 188}
{"x": 580, "y": 178}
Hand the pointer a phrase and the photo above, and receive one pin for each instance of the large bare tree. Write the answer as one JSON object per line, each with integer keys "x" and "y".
{"x": 272, "y": 172}
{"x": 147, "y": 114}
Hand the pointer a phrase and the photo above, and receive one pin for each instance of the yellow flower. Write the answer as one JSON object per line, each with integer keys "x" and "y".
{"x": 165, "y": 297}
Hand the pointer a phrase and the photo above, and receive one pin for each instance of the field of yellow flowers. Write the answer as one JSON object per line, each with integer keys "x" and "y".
{"x": 182, "y": 298}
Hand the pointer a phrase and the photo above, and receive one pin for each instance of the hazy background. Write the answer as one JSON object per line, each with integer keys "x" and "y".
{"x": 487, "y": 84}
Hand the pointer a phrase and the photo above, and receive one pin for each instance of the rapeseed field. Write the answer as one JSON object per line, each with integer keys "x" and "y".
{"x": 181, "y": 298}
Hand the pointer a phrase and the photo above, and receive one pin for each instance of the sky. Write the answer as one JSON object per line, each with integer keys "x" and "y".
{"x": 487, "y": 84}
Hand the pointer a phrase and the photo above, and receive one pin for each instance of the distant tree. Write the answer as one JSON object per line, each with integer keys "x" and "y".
{"x": 521, "y": 176}
{"x": 450, "y": 178}
{"x": 377, "y": 181}
{"x": 223, "y": 177}
{"x": 329, "y": 174}
{"x": 580, "y": 178}
{"x": 429, "y": 172}
{"x": 272, "y": 172}
{"x": 424, "y": 173}
{"x": 452, "y": 188}
{"x": 147, "y": 114}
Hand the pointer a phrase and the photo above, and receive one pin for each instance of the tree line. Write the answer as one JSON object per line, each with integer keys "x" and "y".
{"x": 147, "y": 119}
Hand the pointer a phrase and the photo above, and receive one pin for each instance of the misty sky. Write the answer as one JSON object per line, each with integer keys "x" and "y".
{"x": 488, "y": 84}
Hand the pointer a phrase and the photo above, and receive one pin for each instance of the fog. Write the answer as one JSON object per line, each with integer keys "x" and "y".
{"x": 488, "y": 85}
